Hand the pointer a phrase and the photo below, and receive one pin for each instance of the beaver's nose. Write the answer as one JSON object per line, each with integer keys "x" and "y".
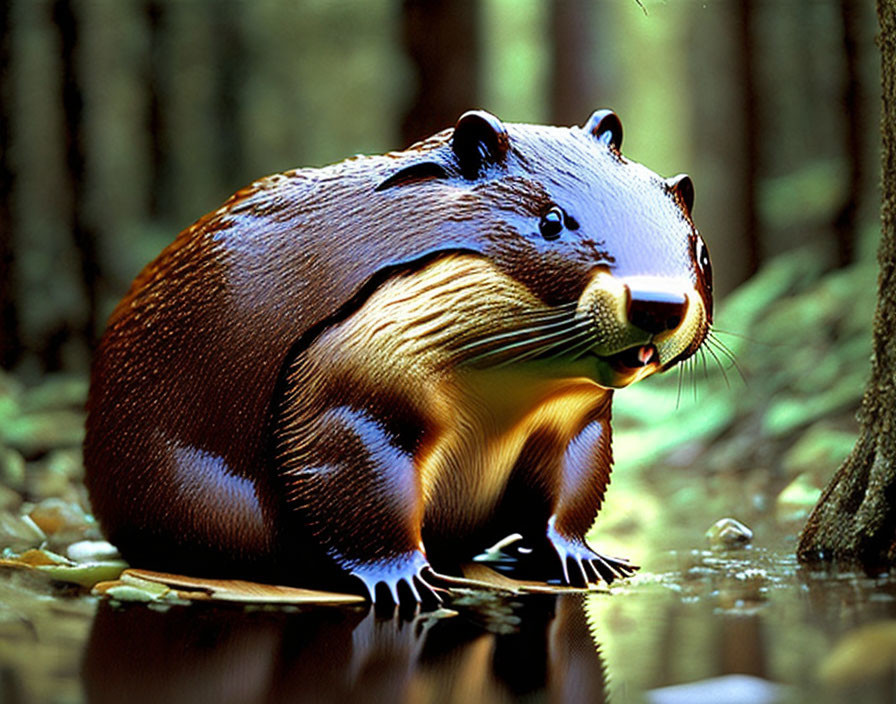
{"x": 656, "y": 311}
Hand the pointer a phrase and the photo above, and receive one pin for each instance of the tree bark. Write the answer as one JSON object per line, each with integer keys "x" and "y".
{"x": 749, "y": 99}
{"x": 230, "y": 61}
{"x": 10, "y": 347}
{"x": 855, "y": 519}
{"x": 442, "y": 39}
{"x": 846, "y": 224}
{"x": 156, "y": 126}
{"x": 573, "y": 77}
{"x": 73, "y": 108}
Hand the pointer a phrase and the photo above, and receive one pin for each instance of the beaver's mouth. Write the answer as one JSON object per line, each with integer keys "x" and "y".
{"x": 627, "y": 366}
{"x": 633, "y": 358}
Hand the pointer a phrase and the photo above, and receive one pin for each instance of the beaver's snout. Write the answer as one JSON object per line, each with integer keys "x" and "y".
{"x": 656, "y": 311}
{"x": 641, "y": 324}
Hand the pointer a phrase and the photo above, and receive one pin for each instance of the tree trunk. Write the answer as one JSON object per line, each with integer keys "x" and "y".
{"x": 155, "y": 70}
{"x": 73, "y": 108}
{"x": 749, "y": 99}
{"x": 855, "y": 519}
{"x": 846, "y": 224}
{"x": 10, "y": 348}
{"x": 721, "y": 98}
{"x": 573, "y": 77}
{"x": 442, "y": 40}
{"x": 230, "y": 61}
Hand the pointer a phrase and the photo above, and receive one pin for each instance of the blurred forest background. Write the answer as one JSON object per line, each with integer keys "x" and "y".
{"x": 123, "y": 121}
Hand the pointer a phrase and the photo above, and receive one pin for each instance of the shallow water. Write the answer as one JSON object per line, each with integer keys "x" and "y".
{"x": 752, "y": 612}
{"x": 692, "y": 615}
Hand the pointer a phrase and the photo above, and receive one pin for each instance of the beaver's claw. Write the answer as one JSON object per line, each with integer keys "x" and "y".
{"x": 402, "y": 578}
{"x": 587, "y": 565}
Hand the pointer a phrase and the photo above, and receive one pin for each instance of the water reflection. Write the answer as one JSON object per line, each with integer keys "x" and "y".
{"x": 537, "y": 649}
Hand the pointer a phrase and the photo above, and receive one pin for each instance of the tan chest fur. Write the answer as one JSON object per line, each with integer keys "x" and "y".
{"x": 413, "y": 338}
{"x": 466, "y": 468}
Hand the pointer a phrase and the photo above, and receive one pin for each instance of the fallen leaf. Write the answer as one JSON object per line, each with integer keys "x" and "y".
{"x": 240, "y": 590}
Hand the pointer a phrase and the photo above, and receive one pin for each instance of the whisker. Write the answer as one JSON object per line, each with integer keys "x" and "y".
{"x": 693, "y": 365}
{"x": 561, "y": 311}
{"x": 721, "y": 366}
{"x": 581, "y": 349}
{"x": 577, "y": 344}
{"x": 539, "y": 351}
{"x": 517, "y": 332}
{"x": 562, "y": 333}
{"x": 678, "y": 393}
{"x": 740, "y": 336}
{"x": 723, "y": 349}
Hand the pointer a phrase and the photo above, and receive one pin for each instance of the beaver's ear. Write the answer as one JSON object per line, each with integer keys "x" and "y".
{"x": 479, "y": 140}
{"x": 414, "y": 173}
{"x": 683, "y": 189}
{"x": 606, "y": 127}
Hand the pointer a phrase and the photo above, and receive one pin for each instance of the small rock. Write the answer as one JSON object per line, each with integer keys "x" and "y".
{"x": 728, "y": 533}
{"x": 19, "y": 533}
{"x": 55, "y": 475}
{"x": 92, "y": 551}
{"x": 130, "y": 588}
{"x": 60, "y": 519}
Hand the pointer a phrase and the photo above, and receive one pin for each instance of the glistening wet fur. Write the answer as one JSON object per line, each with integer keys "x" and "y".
{"x": 374, "y": 370}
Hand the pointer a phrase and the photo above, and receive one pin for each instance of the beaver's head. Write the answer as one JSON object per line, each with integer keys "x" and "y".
{"x": 620, "y": 277}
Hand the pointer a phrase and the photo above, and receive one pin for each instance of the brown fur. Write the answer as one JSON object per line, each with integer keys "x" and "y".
{"x": 317, "y": 374}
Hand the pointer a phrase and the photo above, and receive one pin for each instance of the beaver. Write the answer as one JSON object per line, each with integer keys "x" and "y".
{"x": 373, "y": 370}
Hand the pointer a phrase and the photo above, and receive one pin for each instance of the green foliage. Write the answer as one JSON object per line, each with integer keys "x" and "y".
{"x": 809, "y": 194}
{"x": 802, "y": 340}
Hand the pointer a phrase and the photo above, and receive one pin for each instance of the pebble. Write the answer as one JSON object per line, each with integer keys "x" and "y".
{"x": 92, "y": 551}
{"x": 728, "y": 533}
{"x": 59, "y": 518}
{"x": 19, "y": 533}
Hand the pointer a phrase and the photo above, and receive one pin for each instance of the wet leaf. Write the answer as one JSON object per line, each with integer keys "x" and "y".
{"x": 131, "y": 588}
{"x": 479, "y": 576}
{"x": 239, "y": 590}
{"x": 61, "y": 569}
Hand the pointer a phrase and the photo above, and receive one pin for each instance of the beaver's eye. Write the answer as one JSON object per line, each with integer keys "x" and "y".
{"x": 552, "y": 223}
{"x": 701, "y": 253}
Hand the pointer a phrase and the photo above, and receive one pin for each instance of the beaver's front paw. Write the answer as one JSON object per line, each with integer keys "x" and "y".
{"x": 401, "y": 578}
{"x": 588, "y": 566}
